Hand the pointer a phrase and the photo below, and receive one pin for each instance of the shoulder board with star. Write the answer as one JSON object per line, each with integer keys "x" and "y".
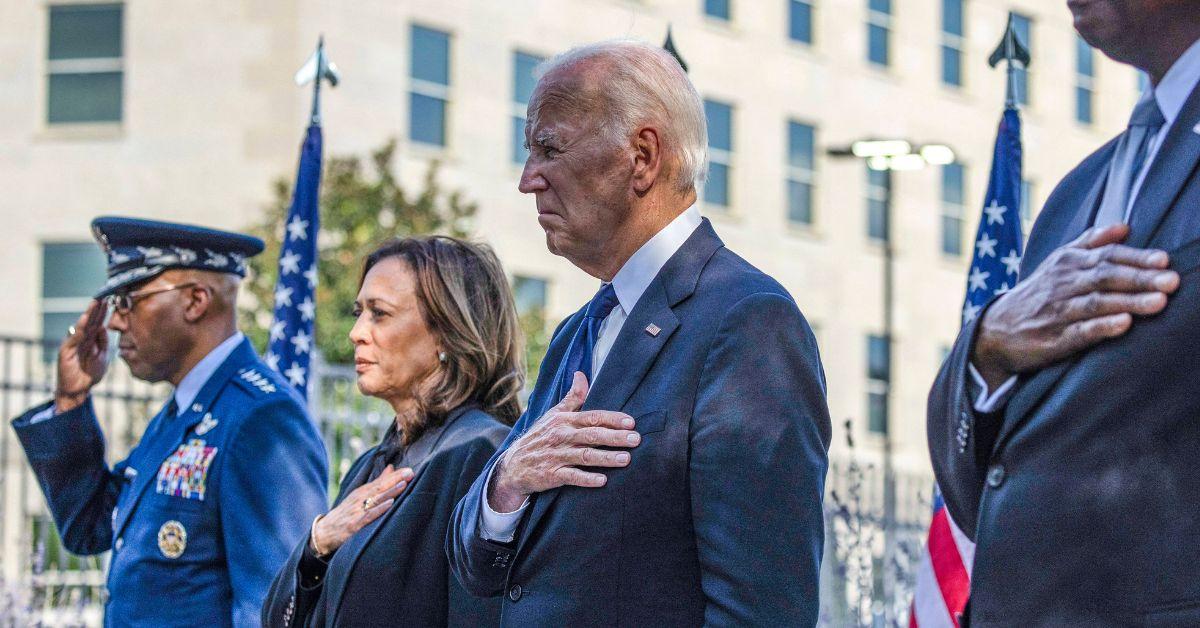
{"x": 257, "y": 381}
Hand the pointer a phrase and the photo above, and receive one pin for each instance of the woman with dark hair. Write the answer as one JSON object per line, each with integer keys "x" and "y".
{"x": 436, "y": 337}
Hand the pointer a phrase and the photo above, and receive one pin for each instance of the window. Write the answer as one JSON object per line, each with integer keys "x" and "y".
{"x": 71, "y": 273}
{"x": 1026, "y": 201}
{"x": 953, "y": 200}
{"x": 717, "y": 8}
{"x": 800, "y": 176}
{"x": 430, "y": 93}
{"x": 879, "y": 183}
{"x": 720, "y": 152}
{"x": 1085, "y": 80}
{"x": 1024, "y": 28}
{"x": 879, "y": 27}
{"x": 529, "y": 295}
{"x": 523, "y": 84}
{"x": 84, "y": 64}
{"x": 953, "y": 42}
{"x": 800, "y": 21}
{"x": 878, "y": 381}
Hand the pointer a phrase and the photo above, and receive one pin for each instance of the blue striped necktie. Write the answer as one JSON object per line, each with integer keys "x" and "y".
{"x": 1127, "y": 162}
{"x": 579, "y": 354}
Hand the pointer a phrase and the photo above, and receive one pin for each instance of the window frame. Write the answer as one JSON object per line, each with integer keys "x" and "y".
{"x": 722, "y": 157}
{"x": 951, "y": 210}
{"x": 955, "y": 43}
{"x": 801, "y": 175}
{"x": 877, "y": 19}
{"x": 84, "y": 66}
{"x": 431, "y": 89}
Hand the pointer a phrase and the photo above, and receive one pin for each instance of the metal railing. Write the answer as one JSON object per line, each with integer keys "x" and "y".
{"x": 43, "y": 584}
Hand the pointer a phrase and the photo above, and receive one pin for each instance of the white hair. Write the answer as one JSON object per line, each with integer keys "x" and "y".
{"x": 645, "y": 84}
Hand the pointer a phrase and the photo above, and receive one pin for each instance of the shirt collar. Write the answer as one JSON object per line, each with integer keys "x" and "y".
{"x": 642, "y": 267}
{"x": 196, "y": 378}
{"x": 1178, "y": 83}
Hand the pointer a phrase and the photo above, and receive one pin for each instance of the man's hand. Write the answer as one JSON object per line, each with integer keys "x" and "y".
{"x": 551, "y": 453}
{"x": 362, "y": 506}
{"x": 1085, "y": 292}
{"x": 82, "y": 359}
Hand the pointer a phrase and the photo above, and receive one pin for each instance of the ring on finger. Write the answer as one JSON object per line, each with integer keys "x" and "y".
{"x": 368, "y": 502}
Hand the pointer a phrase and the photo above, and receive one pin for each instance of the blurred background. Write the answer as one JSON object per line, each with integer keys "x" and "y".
{"x": 187, "y": 111}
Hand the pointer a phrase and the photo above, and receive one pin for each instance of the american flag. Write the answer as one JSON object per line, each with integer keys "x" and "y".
{"x": 291, "y": 345}
{"x": 944, "y": 577}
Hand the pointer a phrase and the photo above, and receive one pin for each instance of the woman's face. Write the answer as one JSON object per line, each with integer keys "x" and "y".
{"x": 394, "y": 351}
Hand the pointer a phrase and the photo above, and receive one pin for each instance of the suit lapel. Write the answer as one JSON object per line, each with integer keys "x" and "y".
{"x": 1170, "y": 171}
{"x": 638, "y": 345}
{"x": 167, "y": 438}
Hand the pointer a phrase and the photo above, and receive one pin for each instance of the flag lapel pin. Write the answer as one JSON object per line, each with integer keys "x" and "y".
{"x": 653, "y": 330}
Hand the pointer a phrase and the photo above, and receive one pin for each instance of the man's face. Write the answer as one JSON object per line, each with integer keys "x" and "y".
{"x": 1117, "y": 27}
{"x": 579, "y": 176}
{"x": 154, "y": 335}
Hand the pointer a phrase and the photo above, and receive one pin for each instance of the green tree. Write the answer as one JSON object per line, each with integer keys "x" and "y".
{"x": 362, "y": 205}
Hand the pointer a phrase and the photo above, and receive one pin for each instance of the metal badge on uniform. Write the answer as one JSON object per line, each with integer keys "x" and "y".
{"x": 172, "y": 539}
{"x": 653, "y": 330}
{"x": 206, "y": 424}
{"x": 184, "y": 473}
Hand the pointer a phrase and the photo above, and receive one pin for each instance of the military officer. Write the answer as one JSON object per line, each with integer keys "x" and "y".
{"x": 227, "y": 476}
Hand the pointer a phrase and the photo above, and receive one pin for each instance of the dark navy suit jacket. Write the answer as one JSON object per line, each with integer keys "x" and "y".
{"x": 393, "y": 572}
{"x": 240, "y": 473}
{"x": 1081, "y": 492}
{"x": 717, "y": 519}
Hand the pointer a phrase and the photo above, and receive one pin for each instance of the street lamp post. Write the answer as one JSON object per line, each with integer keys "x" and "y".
{"x": 889, "y": 156}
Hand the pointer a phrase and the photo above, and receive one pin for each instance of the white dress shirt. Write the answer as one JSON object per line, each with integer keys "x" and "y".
{"x": 1172, "y": 93}
{"x": 629, "y": 283}
{"x": 191, "y": 383}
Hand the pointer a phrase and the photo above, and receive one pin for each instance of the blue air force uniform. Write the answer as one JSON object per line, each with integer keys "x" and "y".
{"x": 223, "y": 483}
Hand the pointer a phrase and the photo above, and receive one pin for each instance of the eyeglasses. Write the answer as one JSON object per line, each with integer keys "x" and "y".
{"x": 122, "y": 302}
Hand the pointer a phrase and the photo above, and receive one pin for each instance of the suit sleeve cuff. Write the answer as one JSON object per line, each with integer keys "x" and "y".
{"x": 498, "y": 526}
{"x": 985, "y": 401}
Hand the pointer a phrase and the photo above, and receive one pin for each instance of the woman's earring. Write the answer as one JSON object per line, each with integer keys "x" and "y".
{"x": 442, "y": 356}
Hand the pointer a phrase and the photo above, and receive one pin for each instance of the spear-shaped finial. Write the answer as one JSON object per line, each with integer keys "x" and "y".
{"x": 317, "y": 69}
{"x": 669, "y": 46}
{"x": 1011, "y": 49}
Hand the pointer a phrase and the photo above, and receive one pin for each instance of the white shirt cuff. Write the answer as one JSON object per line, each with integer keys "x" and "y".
{"x": 498, "y": 526}
{"x": 985, "y": 402}
{"x": 48, "y": 413}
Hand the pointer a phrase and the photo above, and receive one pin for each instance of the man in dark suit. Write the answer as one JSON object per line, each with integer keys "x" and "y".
{"x": 1064, "y": 426}
{"x": 669, "y": 469}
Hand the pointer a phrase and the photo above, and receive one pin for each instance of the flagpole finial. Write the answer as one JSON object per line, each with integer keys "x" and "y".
{"x": 1011, "y": 49}
{"x": 317, "y": 69}
{"x": 669, "y": 46}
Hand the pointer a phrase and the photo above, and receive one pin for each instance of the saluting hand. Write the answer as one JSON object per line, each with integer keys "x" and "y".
{"x": 1085, "y": 292}
{"x": 551, "y": 453}
{"x": 82, "y": 358}
{"x": 358, "y": 509}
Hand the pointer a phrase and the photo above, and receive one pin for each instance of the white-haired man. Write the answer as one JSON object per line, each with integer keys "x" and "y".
{"x": 669, "y": 469}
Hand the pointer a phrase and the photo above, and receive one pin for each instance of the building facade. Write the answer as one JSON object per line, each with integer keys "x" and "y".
{"x": 187, "y": 111}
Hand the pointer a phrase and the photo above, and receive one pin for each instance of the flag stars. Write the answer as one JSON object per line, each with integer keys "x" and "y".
{"x": 970, "y": 311}
{"x": 978, "y": 279}
{"x": 297, "y": 229}
{"x": 295, "y": 374}
{"x": 272, "y": 359}
{"x": 311, "y": 276}
{"x": 986, "y": 246}
{"x": 995, "y": 213}
{"x": 283, "y": 297}
{"x": 277, "y": 332}
{"x": 308, "y": 311}
{"x": 302, "y": 341}
{"x": 289, "y": 263}
{"x": 1012, "y": 262}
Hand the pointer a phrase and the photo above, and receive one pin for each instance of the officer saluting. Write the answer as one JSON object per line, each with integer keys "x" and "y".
{"x": 226, "y": 477}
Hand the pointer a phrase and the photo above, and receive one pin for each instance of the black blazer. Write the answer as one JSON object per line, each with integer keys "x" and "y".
{"x": 717, "y": 518}
{"x": 394, "y": 572}
{"x": 1081, "y": 492}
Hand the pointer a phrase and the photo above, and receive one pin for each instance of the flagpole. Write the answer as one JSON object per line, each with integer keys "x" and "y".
{"x": 315, "y": 120}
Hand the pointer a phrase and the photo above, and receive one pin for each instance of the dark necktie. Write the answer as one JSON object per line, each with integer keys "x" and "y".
{"x": 579, "y": 353}
{"x": 1128, "y": 160}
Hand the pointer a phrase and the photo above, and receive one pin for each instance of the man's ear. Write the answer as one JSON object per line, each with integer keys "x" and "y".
{"x": 199, "y": 302}
{"x": 647, "y": 159}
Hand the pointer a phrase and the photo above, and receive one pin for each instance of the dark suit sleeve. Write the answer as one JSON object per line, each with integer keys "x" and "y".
{"x": 66, "y": 453}
{"x": 759, "y": 454}
{"x": 960, "y": 439}
{"x": 465, "y": 609}
{"x": 272, "y": 486}
{"x": 480, "y": 566}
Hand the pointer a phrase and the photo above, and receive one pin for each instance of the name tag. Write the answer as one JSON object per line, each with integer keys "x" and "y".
{"x": 184, "y": 473}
